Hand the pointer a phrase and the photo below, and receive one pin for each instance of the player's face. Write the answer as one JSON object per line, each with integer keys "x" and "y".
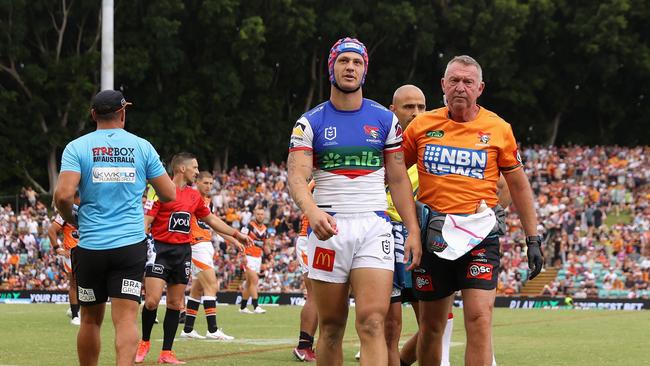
{"x": 204, "y": 186}
{"x": 462, "y": 86}
{"x": 407, "y": 105}
{"x": 348, "y": 70}
{"x": 259, "y": 216}
{"x": 191, "y": 171}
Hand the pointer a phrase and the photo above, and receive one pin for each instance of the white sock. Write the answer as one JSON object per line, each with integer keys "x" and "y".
{"x": 494, "y": 360}
{"x": 446, "y": 341}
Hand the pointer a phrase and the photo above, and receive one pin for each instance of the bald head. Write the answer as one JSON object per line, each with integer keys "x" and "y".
{"x": 408, "y": 102}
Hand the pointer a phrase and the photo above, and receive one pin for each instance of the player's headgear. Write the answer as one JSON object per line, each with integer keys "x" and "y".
{"x": 347, "y": 44}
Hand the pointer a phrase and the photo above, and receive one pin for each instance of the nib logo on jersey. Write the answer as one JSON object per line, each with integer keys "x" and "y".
{"x": 113, "y": 154}
{"x": 350, "y": 161}
{"x": 443, "y": 160}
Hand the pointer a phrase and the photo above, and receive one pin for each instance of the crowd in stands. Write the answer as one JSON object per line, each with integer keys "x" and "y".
{"x": 577, "y": 188}
{"x": 592, "y": 204}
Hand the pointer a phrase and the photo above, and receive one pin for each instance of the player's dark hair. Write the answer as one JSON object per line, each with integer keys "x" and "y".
{"x": 181, "y": 159}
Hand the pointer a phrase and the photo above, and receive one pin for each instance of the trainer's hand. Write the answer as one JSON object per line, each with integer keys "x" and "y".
{"x": 535, "y": 256}
{"x": 322, "y": 224}
{"x": 413, "y": 250}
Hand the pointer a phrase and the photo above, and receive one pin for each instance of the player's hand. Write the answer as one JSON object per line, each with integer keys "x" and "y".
{"x": 62, "y": 252}
{"x": 75, "y": 215}
{"x": 535, "y": 256}
{"x": 322, "y": 224}
{"x": 243, "y": 241}
{"x": 413, "y": 250}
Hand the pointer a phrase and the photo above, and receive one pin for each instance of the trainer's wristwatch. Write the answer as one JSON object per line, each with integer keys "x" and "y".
{"x": 534, "y": 239}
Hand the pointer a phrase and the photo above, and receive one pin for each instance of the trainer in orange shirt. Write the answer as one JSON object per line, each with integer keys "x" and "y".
{"x": 460, "y": 150}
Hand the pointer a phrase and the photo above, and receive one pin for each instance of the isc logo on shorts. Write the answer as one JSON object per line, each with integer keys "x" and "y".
{"x": 86, "y": 294}
{"x": 423, "y": 283}
{"x": 481, "y": 271}
{"x": 443, "y": 160}
{"x": 131, "y": 287}
{"x": 179, "y": 222}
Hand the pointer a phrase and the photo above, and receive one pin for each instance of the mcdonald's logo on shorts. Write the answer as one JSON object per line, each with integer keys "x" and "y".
{"x": 324, "y": 259}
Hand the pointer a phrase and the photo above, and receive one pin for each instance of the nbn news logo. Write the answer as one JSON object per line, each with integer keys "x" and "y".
{"x": 443, "y": 160}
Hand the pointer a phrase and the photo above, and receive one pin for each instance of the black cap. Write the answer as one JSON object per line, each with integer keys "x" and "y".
{"x": 108, "y": 101}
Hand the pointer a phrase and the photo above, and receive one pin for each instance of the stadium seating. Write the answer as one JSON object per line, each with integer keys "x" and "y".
{"x": 592, "y": 204}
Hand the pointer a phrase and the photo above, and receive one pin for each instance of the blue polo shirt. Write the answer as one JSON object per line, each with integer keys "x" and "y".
{"x": 114, "y": 166}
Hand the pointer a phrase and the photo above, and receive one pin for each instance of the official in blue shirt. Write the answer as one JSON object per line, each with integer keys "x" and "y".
{"x": 110, "y": 167}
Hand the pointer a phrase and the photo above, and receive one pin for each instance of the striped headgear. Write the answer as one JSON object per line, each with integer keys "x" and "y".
{"x": 347, "y": 44}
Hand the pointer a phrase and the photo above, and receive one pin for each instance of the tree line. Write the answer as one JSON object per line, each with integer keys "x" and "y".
{"x": 226, "y": 79}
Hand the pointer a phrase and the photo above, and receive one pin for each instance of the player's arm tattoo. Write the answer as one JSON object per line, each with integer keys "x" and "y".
{"x": 295, "y": 168}
{"x": 399, "y": 157}
{"x": 291, "y": 162}
{"x": 299, "y": 202}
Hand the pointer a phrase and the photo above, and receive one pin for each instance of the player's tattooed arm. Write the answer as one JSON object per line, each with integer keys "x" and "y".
{"x": 398, "y": 156}
{"x": 299, "y": 167}
{"x": 402, "y": 194}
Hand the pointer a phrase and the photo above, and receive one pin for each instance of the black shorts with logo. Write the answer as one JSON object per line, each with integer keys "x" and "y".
{"x": 437, "y": 278}
{"x": 108, "y": 273}
{"x": 173, "y": 263}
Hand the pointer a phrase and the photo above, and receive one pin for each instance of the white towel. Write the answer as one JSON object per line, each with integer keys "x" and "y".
{"x": 463, "y": 233}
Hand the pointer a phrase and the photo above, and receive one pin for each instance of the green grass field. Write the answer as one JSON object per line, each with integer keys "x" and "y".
{"x": 41, "y": 335}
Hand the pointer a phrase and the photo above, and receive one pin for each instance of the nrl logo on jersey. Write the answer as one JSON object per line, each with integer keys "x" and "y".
{"x": 330, "y": 133}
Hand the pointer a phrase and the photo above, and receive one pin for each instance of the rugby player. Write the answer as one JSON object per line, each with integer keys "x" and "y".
{"x": 70, "y": 240}
{"x": 170, "y": 228}
{"x": 259, "y": 234}
{"x": 355, "y": 146}
{"x": 204, "y": 279}
{"x": 308, "y": 314}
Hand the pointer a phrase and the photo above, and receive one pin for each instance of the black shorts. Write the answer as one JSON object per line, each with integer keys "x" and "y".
{"x": 396, "y": 295}
{"x": 173, "y": 263}
{"x": 408, "y": 295}
{"x": 72, "y": 251}
{"x": 109, "y": 273}
{"x": 437, "y": 278}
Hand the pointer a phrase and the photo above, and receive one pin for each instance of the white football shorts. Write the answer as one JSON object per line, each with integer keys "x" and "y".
{"x": 364, "y": 240}
{"x": 202, "y": 257}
